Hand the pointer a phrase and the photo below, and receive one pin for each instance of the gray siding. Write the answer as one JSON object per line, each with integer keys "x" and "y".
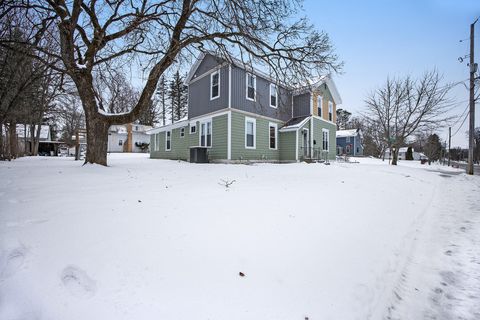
{"x": 301, "y": 105}
{"x": 199, "y": 102}
{"x": 207, "y": 64}
{"x": 262, "y": 104}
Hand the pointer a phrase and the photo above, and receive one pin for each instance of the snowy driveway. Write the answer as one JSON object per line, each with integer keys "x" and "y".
{"x": 153, "y": 239}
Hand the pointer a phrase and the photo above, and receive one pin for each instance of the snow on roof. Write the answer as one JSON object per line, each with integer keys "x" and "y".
{"x": 44, "y": 131}
{"x": 347, "y": 133}
{"x": 167, "y": 127}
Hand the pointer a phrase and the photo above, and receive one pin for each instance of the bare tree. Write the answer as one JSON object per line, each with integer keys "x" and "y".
{"x": 95, "y": 33}
{"x": 403, "y": 107}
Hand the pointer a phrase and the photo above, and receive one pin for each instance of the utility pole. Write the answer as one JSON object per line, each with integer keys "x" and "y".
{"x": 449, "y": 142}
{"x": 472, "y": 100}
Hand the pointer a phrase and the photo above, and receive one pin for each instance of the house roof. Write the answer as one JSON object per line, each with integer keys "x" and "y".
{"x": 313, "y": 84}
{"x": 168, "y": 127}
{"x": 347, "y": 133}
{"x": 294, "y": 123}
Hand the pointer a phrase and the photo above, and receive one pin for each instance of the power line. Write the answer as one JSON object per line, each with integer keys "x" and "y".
{"x": 466, "y": 116}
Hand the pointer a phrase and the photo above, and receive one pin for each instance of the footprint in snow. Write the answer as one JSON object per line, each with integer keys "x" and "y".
{"x": 11, "y": 261}
{"x": 77, "y": 282}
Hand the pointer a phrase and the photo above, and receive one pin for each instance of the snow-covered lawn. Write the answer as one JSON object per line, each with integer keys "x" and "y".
{"x": 154, "y": 239}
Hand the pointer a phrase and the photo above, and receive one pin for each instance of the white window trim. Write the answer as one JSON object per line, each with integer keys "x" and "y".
{"x": 200, "y": 133}
{"x": 211, "y": 85}
{"x": 247, "y": 120}
{"x": 319, "y": 105}
{"x": 191, "y": 127}
{"x": 328, "y": 139}
{"x": 254, "y": 87}
{"x": 330, "y": 107}
{"x": 166, "y": 138}
{"x": 270, "y": 96}
{"x": 273, "y": 124}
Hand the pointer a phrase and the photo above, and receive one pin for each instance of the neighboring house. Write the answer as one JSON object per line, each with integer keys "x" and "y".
{"x": 239, "y": 114}
{"x": 402, "y": 154}
{"x": 46, "y": 145}
{"x": 128, "y": 138}
{"x": 349, "y": 142}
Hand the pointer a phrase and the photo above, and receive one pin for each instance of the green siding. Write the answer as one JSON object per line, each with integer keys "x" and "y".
{"x": 262, "y": 149}
{"x": 179, "y": 145}
{"x": 219, "y": 138}
{"x": 318, "y": 125}
{"x": 287, "y": 145}
{"x": 180, "y": 148}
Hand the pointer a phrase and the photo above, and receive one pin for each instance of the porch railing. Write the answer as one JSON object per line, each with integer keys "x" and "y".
{"x": 315, "y": 153}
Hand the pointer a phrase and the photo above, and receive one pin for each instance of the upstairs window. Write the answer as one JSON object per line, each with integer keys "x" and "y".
{"x": 193, "y": 129}
{"x": 330, "y": 110}
{"x": 215, "y": 85}
{"x": 120, "y": 142}
{"x": 251, "y": 86}
{"x": 168, "y": 140}
{"x": 272, "y": 131}
{"x": 206, "y": 134}
{"x": 182, "y": 132}
{"x": 326, "y": 138}
{"x": 273, "y": 95}
{"x": 348, "y": 139}
{"x": 319, "y": 105}
{"x": 250, "y": 133}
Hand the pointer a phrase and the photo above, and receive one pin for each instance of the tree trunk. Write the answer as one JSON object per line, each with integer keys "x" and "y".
{"x": 36, "y": 140}
{"x": 97, "y": 139}
{"x": 2, "y": 151}
{"x": 394, "y": 156}
{"x": 13, "y": 139}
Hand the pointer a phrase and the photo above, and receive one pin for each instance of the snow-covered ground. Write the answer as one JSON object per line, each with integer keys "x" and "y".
{"x": 154, "y": 239}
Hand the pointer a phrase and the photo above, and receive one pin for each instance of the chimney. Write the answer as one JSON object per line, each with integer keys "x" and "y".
{"x": 129, "y": 138}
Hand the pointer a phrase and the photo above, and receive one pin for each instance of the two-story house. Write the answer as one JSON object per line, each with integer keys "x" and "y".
{"x": 239, "y": 113}
{"x": 349, "y": 142}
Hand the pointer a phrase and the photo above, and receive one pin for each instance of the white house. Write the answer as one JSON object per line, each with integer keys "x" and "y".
{"x": 128, "y": 138}
{"x": 402, "y": 154}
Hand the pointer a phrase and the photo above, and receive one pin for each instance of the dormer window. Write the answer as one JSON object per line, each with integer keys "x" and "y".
{"x": 215, "y": 85}
{"x": 330, "y": 110}
{"x": 251, "y": 87}
{"x": 319, "y": 105}
{"x": 273, "y": 95}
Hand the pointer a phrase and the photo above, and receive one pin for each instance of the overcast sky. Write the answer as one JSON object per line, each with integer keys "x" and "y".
{"x": 380, "y": 38}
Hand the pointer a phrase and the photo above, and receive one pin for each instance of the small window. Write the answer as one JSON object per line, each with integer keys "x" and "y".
{"x": 273, "y": 95}
{"x": 206, "y": 134}
{"x": 182, "y": 132}
{"x": 319, "y": 105}
{"x": 168, "y": 141}
{"x": 251, "y": 86}
{"x": 136, "y": 128}
{"x": 348, "y": 139}
{"x": 193, "y": 129}
{"x": 330, "y": 111}
{"x": 272, "y": 131}
{"x": 120, "y": 142}
{"x": 250, "y": 133}
{"x": 326, "y": 137}
{"x": 214, "y": 85}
